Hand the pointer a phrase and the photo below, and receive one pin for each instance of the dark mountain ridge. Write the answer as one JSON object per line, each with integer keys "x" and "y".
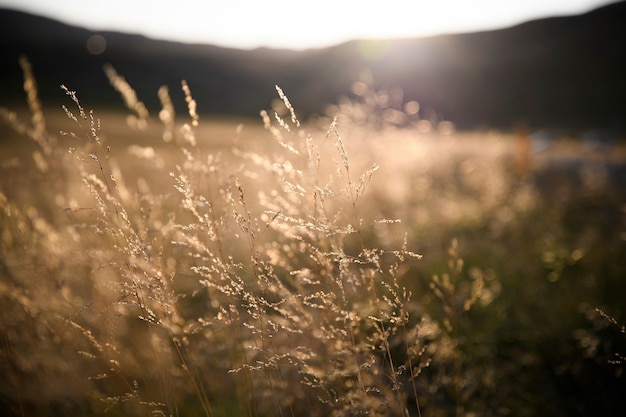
{"x": 563, "y": 72}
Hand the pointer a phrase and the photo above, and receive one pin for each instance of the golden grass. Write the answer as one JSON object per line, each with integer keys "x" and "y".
{"x": 175, "y": 265}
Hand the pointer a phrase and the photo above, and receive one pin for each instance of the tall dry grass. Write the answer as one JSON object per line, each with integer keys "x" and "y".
{"x": 246, "y": 284}
{"x": 165, "y": 269}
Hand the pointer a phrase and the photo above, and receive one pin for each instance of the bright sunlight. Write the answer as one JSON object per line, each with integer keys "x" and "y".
{"x": 296, "y": 25}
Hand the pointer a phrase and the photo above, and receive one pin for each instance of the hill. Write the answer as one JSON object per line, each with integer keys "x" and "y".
{"x": 562, "y": 72}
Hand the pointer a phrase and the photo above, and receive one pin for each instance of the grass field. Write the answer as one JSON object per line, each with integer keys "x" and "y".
{"x": 189, "y": 266}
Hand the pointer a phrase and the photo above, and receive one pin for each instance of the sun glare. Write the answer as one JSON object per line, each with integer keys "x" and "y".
{"x": 297, "y": 25}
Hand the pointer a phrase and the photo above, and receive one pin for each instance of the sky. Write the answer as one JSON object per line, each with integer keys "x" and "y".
{"x": 296, "y": 24}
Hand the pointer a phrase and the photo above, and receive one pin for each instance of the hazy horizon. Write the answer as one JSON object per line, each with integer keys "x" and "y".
{"x": 246, "y": 25}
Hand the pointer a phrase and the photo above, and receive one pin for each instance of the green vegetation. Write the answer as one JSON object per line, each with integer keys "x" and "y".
{"x": 358, "y": 265}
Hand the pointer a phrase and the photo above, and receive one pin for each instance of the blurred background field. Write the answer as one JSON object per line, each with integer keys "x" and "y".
{"x": 539, "y": 223}
{"x": 182, "y": 255}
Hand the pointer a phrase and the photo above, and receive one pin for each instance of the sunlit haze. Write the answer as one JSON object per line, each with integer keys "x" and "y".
{"x": 296, "y": 24}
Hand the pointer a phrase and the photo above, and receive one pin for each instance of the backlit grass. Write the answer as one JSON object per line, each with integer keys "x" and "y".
{"x": 368, "y": 262}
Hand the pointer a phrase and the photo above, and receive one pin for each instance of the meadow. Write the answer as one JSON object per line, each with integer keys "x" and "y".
{"x": 366, "y": 262}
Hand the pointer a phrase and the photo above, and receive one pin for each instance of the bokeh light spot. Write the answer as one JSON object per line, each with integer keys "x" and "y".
{"x": 412, "y": 107}
{"x": 96, "y": 44}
